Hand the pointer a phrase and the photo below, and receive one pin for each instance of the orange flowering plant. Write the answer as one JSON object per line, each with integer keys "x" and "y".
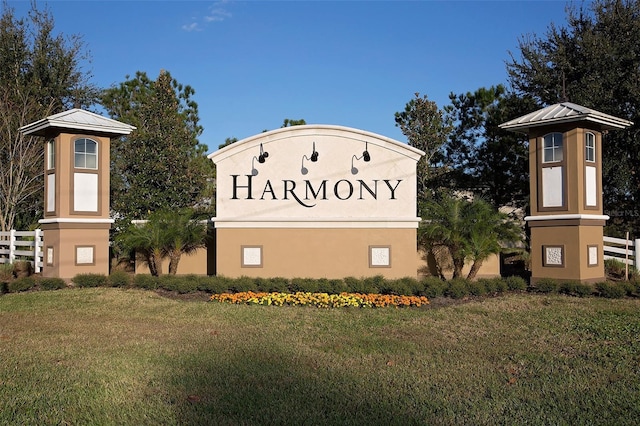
{"x": 320, "y": 300}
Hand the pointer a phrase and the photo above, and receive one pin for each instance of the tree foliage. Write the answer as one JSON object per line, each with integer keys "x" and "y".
{"x": 480, "y": 156}
{"x": 40, "y": 75}
{"x": 289, "y": 122}
{"x": 161, "y": 165}
{"x": 423, "y": 123}
{"x": 593, "y": 61}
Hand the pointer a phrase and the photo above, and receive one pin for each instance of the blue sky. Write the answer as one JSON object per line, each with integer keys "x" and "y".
{"x": 350, "y": 63}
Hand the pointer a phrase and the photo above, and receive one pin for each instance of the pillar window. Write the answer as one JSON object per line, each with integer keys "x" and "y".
{"x": 553, "y": 148}
{"x": 590, "y": 147}
{"x": 86, "y": 154}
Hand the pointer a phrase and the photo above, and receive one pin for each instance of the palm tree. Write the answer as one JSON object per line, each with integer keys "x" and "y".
{"x": 167, "y": 233}
{"x": 148, "y": 241}
{"x": 488, "y": 229}
{"x": 185, "y": 237}
{"x": 444, "y": 227}
{"x": 469, "y": 230}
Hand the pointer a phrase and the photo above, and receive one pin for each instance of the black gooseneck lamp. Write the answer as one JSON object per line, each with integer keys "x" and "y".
{"x": 365, "y": 156}
{"x": 313, "y": 158}
{"x": 261, "y": 159}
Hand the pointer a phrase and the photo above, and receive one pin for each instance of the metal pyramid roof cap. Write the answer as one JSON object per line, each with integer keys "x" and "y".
{"x": 78, "y": 119}
{"x": 565, "y": 112}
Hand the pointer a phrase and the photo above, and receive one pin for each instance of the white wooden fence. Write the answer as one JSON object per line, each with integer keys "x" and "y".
{"x": 22, "y": 245}
{"x": 622, "y": 249}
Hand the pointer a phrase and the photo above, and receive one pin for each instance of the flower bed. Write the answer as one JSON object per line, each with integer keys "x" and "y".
{"x": 320, "y": 300}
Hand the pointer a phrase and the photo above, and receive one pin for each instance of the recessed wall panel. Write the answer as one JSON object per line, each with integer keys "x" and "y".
{"x": 552, "y": 187}
{"x": 85, "y": 192}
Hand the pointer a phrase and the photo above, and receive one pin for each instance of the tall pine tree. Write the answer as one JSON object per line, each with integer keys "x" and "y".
{"x": 594, "y": 61}
{"x": 161, "y": 165}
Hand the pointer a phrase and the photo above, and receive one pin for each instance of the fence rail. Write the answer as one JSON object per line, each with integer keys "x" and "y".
{"x": 624, "y": 250}
{"x": 22, "y": 245}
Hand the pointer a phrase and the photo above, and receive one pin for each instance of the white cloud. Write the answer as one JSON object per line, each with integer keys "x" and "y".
{"x": 216, "y": 13}
{"x": 191, "y": 27}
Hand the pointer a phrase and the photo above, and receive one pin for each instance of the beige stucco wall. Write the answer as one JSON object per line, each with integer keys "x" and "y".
{"x": 575, "y": 241}
{"x": 317, "y": 253}
{"x": 199, "y": 263}
{"x": 65, "y": 242}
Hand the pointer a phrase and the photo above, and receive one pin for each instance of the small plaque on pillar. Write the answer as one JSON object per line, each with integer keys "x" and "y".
{"x": 593, "y": 255}
{"x": 49, "y": 256}
{"x": 553, "y": 256}
{"x": 85, "y": 255}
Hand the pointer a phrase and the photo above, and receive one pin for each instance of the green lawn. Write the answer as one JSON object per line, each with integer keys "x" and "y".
{"x": 112, "y": 356}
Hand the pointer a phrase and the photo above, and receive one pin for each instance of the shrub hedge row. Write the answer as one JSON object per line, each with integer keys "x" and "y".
{"x": 431, "y": 287}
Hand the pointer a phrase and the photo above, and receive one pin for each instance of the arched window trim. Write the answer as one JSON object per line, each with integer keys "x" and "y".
{"x": 590, "y": 147}
{"x": 552, "y": 148}
{"x": 85, "y": 154}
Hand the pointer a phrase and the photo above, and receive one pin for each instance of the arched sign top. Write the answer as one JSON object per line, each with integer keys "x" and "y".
{"x": 316, "y": 173}
{"x": 306, "y": 131}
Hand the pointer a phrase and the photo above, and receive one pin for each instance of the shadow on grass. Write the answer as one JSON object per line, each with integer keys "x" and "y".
{"x": 261, "y": 386}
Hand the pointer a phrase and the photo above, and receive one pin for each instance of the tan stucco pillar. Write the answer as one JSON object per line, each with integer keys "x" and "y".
{"x": 76, "y": 219}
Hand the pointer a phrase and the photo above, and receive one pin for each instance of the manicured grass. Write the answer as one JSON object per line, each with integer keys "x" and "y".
{"x": 114, "y": 356}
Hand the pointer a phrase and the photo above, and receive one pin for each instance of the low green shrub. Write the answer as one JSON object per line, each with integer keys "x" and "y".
{"x": 610, "y": 290}
{"x": 359, "y": 285}
{"x": 628, "y": 287}
{"x": 546, "y": 285}
{"x": 331, "y": 286}
{"x": 433, "y": 287}
{"x": 304, "y": 285}
{"x": 90, "y": 280}
{"x": 182, "y": 284}
{"x": 575, "y": 288}
{"x": 147, "y": 282}
{"x": 457, "y": 288}
{"x": 242, "y": 284}
{"x": 614, "y": 268}
{"x": 515, "y": 283}
{"x": 477, "y": 288}
{"x": 52, "y": 283}
{"x": 215, "y": 284}
{"x": 583, "y": 289}
{"x": 21, "y": 284}
{"x": 6, "y": 272}
{"x": 277, "y": 284}
{"x": 491, "y": 285}
{"x": 406, "y": 286}
{"x": 119, "y": 278}
{"x": 374, "y": 284}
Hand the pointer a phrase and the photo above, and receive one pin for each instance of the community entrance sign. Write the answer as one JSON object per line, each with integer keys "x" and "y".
{"x": 316, "y": 201}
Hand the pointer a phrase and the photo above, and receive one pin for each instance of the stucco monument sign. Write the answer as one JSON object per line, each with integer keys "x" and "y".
{"x": 316, "y": 201}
